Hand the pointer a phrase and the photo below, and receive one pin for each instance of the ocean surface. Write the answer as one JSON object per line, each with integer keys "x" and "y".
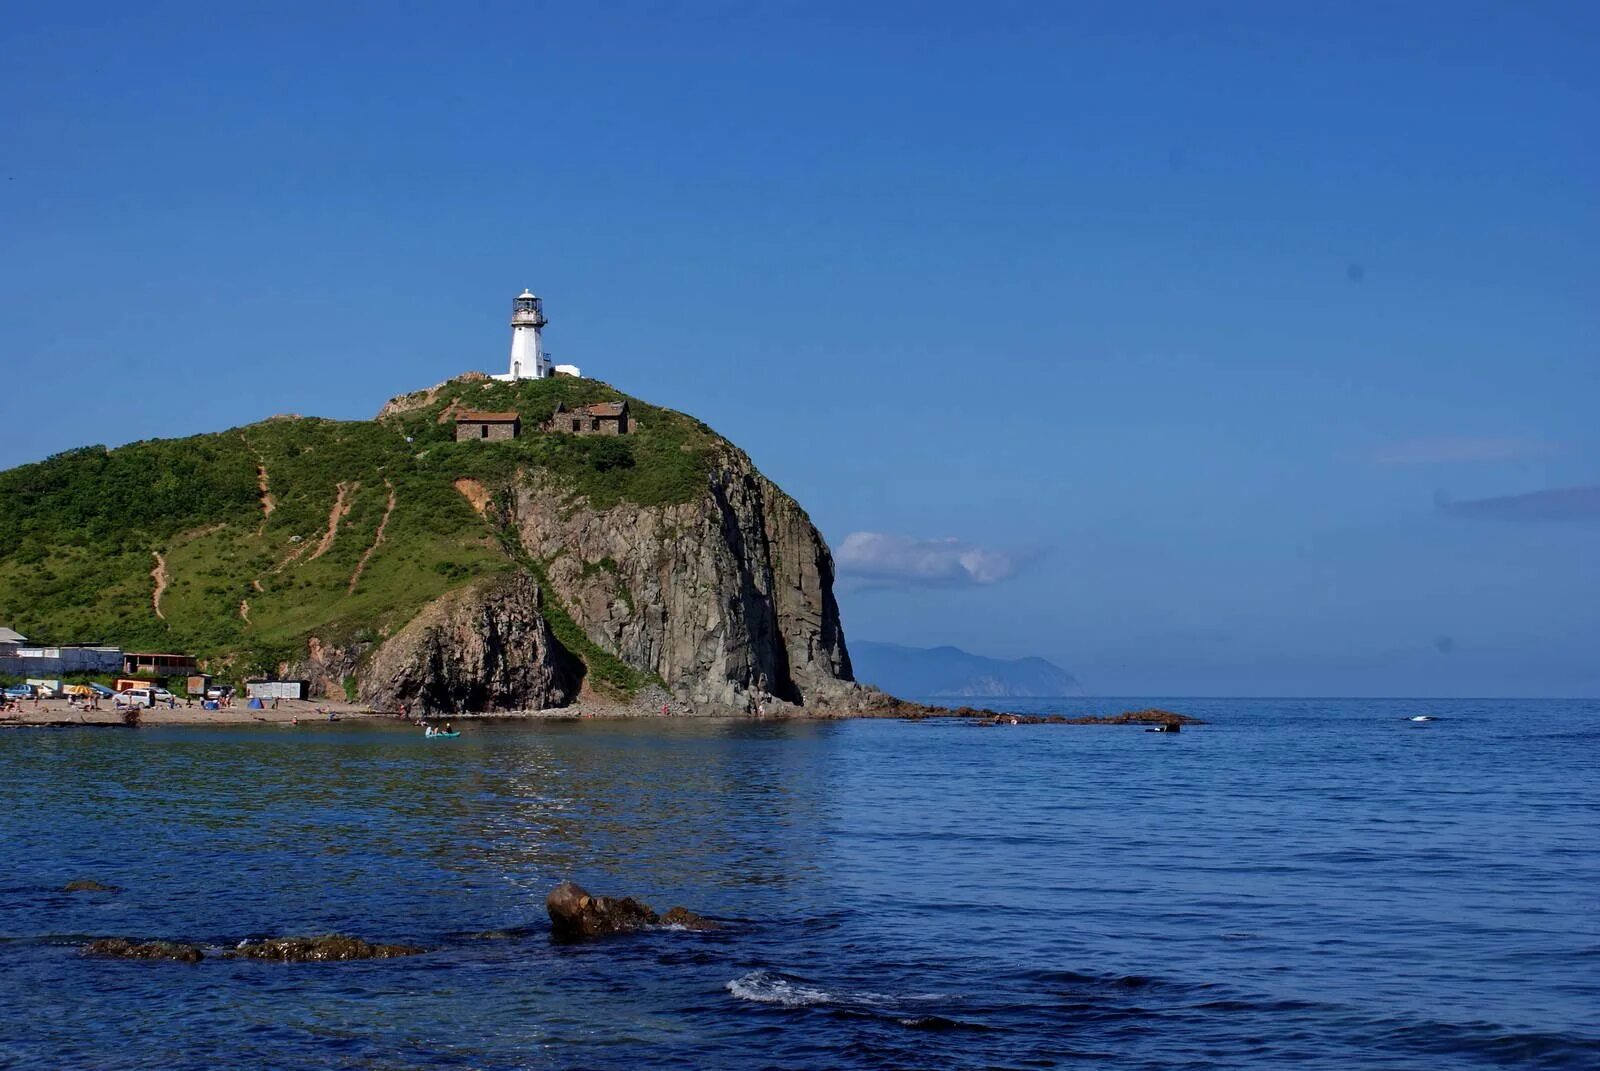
{"x": 1308, "y": 884}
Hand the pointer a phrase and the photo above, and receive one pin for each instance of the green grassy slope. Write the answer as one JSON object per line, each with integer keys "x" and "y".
{"x": 80, "y": 532}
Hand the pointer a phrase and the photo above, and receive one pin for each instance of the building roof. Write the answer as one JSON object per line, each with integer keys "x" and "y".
{"x": 476, "y": 416}
{"x": 606, "y": 409}
{"x": 10, "y": 636}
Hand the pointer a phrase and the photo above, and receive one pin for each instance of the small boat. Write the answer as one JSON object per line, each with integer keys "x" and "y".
{"x": 431, "y": 733}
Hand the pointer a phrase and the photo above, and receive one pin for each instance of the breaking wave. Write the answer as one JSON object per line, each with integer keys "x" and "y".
{"x": 769, "y": 987}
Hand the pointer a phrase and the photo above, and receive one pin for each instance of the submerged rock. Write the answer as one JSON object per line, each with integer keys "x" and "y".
{"x": 574, "y": 913}
{"x": 324, "y": 948}
{"x": 86, "y": 885}
{"x": 682, "y": 916}
{"x": 128, "y": 949}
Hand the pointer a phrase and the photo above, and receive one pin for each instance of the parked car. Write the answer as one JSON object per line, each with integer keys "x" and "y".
{"x": 19, "y": 691}
{"x": 161, "y": 695}
{"x": 101, "y": 690}
{"x": 139, "y": 697}
{"x": 220, "y": 691}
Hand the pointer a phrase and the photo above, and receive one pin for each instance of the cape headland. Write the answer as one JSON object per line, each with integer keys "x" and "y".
{"x": 482, "y": 546}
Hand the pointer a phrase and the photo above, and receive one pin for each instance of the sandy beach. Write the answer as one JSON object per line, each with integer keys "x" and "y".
{"x": 59, "y": 713}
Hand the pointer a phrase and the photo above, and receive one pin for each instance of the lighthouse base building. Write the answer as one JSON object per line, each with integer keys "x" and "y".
{"x": 528, "y": 359}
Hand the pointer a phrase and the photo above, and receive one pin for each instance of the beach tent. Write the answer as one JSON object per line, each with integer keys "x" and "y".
{"x": 255, "y": 704}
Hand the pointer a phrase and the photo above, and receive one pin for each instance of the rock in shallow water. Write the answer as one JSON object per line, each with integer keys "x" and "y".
{"x": 127, "y": 949}
{"x": 86, "y": 885}
{"x": 326, "y": 947}
{"x": 1165, "y": 721}
{"x": 682, "y": 916}
{"x": 574, "y": 913}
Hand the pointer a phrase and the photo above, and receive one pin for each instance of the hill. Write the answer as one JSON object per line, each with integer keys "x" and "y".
{"x": 384, "y": 560}
{"x": 949, "y": 672}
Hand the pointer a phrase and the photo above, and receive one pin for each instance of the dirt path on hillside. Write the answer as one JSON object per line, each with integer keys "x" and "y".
{"x": 159, "y": 575}
{"x": 299, "y": 549}
{"x": 377, "y": 541}
{"x": 341, "y": 509}
{"x": 268, "y": 503}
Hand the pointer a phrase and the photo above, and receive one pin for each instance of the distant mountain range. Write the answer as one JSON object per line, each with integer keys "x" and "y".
{"x": 951, "y": 673}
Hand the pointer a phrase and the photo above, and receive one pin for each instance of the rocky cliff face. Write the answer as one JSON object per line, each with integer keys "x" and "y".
{"x": 723, "y": 591}
{"x": 727, "y": 598}
{"x": 482, "y": 648}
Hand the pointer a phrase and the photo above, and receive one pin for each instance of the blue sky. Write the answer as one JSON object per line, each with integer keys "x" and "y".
{"x": 1241, "y": 349}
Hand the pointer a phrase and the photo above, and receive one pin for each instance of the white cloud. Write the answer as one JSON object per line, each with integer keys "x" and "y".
{"x": 1442, "y": 449}
{"x": 895, "y": 559}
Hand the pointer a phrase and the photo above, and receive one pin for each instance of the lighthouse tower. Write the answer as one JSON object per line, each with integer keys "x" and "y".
{"x": 527, "y": 356}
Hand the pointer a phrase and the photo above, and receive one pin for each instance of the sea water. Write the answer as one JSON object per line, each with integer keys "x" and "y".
{"x": 1310, "y": 884}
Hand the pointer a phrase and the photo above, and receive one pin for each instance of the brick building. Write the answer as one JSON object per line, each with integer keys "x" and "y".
{"x": 472, "y": 424}
{"x": 601, "y": 418}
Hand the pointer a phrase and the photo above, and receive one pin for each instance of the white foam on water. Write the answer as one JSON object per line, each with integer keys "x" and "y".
{"x": 764, "y": 987}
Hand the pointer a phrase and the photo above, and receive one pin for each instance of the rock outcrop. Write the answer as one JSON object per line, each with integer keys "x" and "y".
{"x": 125, "y": 948}
{"x": 485, "y": 647}
{"x": 327, "y": 666}
{"x": 1165, "y": 721}
{"x": 576, "y": 914}
{"x": 728, "y": 598}
{"x": 325, "y": 948}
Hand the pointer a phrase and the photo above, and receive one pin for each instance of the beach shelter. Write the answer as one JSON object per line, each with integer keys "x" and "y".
{"x": 255, "y": 704}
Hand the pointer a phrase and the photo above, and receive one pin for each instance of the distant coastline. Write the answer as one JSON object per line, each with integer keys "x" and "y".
{"x": 950, "y": 673}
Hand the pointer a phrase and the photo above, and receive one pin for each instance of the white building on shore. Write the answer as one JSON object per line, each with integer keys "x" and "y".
{"x": 18, "y": 656}
{"x": 528, "y": 359}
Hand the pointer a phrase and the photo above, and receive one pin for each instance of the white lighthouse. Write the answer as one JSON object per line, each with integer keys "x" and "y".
{"x": 527, "y": 355}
